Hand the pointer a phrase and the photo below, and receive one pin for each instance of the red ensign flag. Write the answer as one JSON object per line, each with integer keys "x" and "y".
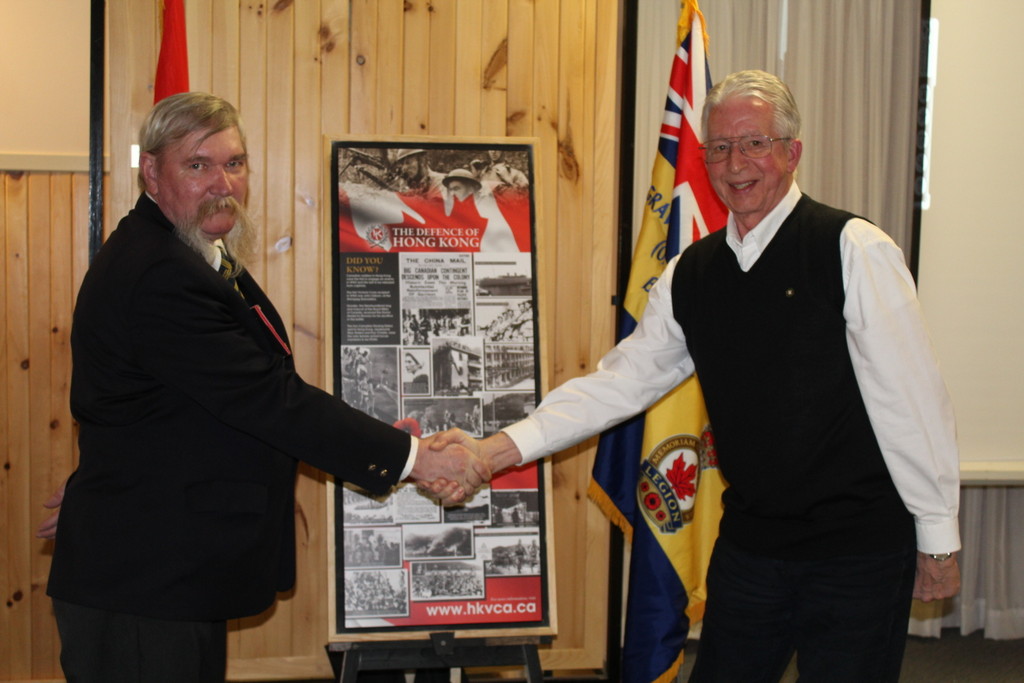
{"x": 172, "y": 67}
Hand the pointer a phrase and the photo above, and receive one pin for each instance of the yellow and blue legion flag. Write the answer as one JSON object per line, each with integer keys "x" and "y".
{"x": 656, "y": 476}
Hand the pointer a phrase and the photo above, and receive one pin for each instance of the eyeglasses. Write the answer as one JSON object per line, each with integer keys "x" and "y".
{"x": 751, "y": 146}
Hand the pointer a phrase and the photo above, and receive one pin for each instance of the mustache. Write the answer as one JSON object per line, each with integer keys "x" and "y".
{"x": 241, "y": 241}
{"x": 212, "y": 206}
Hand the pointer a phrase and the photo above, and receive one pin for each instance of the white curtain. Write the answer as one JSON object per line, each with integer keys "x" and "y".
{"x": 853, "y": 67}
{"x": 992, "y": 593}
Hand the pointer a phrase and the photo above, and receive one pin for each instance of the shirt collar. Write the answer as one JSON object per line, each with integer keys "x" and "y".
{"x": 749, "y": 248}
{"x": 213, "y": 253}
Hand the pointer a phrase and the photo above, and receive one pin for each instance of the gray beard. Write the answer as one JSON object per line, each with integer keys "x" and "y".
{"x": 240, "y": 242}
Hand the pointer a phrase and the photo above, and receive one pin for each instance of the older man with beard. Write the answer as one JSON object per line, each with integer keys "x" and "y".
{"x": 192, "y": 419}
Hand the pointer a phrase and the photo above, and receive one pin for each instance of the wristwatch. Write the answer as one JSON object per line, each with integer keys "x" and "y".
{"x": 941, "y": 557}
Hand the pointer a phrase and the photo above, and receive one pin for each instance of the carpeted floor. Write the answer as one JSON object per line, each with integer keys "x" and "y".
{"x": 950, "y": 659}
{"x": 963, "y": 659}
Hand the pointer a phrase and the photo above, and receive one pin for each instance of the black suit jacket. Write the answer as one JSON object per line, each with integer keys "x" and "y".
{"x": 192, "y": 419}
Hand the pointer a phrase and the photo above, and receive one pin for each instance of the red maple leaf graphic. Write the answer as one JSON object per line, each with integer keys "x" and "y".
{"x": 683, "y": 478}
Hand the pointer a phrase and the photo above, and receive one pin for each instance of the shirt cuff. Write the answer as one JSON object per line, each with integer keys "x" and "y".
{"x": 527, "y": 437}
{"x": 943, "y": 537}
{"x": 414, "y": 446}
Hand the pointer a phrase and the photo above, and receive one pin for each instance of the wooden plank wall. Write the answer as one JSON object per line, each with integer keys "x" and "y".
{"x": 301, "y": 71}
{"x": 43, "y": 256}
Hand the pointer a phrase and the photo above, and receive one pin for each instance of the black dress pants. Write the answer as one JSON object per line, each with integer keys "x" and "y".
{"x": 98, "y": 646}
{"x": 845, "y": 618}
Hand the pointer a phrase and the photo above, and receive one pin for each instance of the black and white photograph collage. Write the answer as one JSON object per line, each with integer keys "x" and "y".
{"x": 405, "y": 548}
{"x": 466, "y": 353}
{"x": 466, "y": 359}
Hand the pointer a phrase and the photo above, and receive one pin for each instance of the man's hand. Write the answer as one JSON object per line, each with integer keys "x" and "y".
{"x": 497, "y": 451}
{"x": 48, "y": 529}
{"x": 936, "y": 580}
{"x": 448, "y": 492}
{"x": 451, "y": 471}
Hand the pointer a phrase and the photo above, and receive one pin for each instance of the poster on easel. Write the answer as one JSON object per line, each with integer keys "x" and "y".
{"x": 435, "y": 326}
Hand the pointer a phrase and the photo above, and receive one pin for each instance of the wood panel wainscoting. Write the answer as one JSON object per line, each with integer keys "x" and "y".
{"x": 300, "y": 72}
{"x": 44, "y": 253}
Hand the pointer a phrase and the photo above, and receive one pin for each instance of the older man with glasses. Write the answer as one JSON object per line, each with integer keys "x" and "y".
{"x": 832, "y": 423}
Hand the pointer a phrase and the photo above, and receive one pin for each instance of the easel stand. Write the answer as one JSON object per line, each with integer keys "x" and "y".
{"x": 442, "y": 651}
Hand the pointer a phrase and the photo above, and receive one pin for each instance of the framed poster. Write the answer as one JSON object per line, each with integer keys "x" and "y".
{"x": 434, "y": 306}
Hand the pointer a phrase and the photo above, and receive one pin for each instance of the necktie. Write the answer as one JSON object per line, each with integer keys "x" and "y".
{"x": 227, "y": 269}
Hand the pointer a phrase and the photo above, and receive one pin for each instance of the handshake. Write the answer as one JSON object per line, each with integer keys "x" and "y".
{"x": 452, "y": 465}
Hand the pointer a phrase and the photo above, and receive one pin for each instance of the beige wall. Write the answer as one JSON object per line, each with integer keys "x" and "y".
{"x": 972, "y": 242}
{"x": 44, "y": 72}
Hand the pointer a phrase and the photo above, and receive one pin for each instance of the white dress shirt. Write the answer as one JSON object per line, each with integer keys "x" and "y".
{"x": 893, "y": 360}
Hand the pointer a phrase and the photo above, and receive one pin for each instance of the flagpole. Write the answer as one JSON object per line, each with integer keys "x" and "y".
{"x": 624, "y": 259}
{"x": 97, "y": 39}
{"x": 921, "y": 137}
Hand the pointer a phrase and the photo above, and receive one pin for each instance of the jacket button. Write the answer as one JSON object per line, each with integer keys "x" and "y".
{"x": 384, "y": 472}
{"x": 372, "y": 467}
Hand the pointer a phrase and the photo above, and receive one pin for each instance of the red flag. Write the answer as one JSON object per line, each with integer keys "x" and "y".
{"x": 172, "y": 67}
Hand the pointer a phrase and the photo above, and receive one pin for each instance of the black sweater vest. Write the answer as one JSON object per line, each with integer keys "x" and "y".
{"x": 806, "y": 475}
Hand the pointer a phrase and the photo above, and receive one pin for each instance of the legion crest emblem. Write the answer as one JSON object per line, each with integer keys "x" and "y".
{"x": 670, "y": 477}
